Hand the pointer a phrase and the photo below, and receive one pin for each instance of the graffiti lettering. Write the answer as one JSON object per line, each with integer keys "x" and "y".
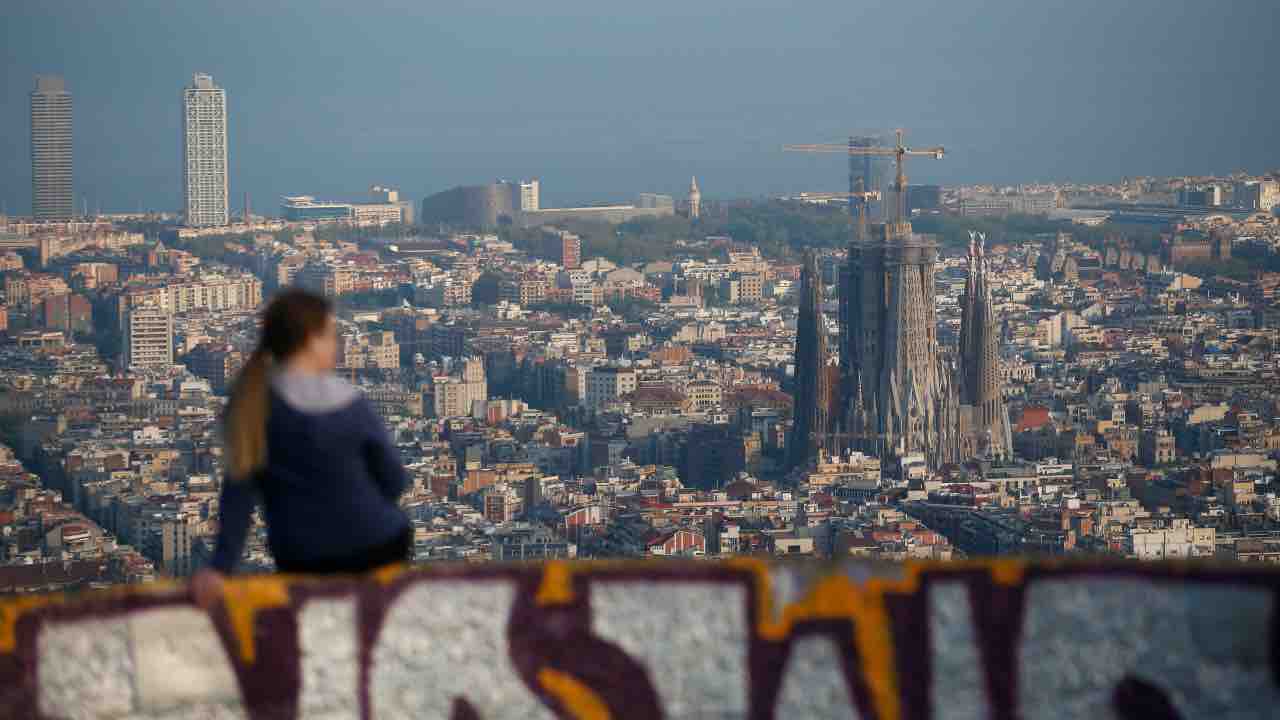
{"x": 444, "y": 642}
{"x": 1000, "y": 639}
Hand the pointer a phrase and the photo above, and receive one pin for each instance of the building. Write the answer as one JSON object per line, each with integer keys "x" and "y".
{"x": 149, "y": 337}
{"x": 1208, "y": 196}
{"x": 608, "y": 383}
{"x": 212, "y": 291}
{"x": 204, "y": 169}
{"x": 924, "y": 198}
{"x": 302, "y": 208}
{"x": 1022, "y": 204}
{"x": 371, "y": 350}
{"x": 655, "y": 200}
{"x": 461, "y": 395}
{"x": 562, "y": 248}
{"x": 695, "y": 199}
{"x": 327, "y": 280}
{"x": 743, "y": 288}
{"x": 613, "y": 214}
{"x": 305, "y": 208}
{"x": 1257, "y": 194}
{"x": 216, "y": 363}
{"x": 529, "y": 199}
{"x": 52, "y": 196}
{"x": 868, "y": 172}
{"x": 811, "y": 387}
{"x": 67, "y": 311}
{"x": 473, "y": 206}
{"x": 984, "y": 421}
{"x": 897, "y": 394}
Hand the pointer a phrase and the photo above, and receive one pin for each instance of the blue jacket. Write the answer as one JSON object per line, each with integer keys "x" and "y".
{"x": 331, "y": 481}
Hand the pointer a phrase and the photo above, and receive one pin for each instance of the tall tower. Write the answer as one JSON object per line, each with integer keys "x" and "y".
{"x": 695, "y": 200}
{"x": 204, "y": 169}
{"x": 51, "y": 190}
{"x": 985, "y": 419}
{"x": 812, "y": 389}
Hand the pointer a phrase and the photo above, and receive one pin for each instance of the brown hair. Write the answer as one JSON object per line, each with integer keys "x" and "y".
{"x": 291, "y": 319}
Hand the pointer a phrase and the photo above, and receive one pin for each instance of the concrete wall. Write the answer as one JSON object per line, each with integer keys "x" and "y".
{"x": 663, "y": 639}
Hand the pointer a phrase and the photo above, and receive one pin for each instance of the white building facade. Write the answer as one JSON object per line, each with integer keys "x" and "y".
{"x": 204, "y": 168}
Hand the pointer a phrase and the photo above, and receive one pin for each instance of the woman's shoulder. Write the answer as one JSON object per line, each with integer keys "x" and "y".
{"x": 313, "y": 394}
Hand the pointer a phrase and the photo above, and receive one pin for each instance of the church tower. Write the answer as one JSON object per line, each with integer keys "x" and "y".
{"x": 695, "y": 200}
{"x": 984, "y": 415}
{"x": 811, "y": 420}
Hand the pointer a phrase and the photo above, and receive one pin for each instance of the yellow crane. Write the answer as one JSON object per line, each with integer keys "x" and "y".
{"x": 813, "y": 196}
{"x": 863, "y": 196}
{"x": 898, "y": 152}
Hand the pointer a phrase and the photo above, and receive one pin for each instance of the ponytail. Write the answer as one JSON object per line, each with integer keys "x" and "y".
{"x": 246, "y": 422}
{"x": 292, "y": 318}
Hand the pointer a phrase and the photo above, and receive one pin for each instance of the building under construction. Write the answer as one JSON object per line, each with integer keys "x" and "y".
{"x": 899, "y": 395}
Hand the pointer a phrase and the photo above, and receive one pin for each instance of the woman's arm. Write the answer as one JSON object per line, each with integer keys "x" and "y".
{"x": 234, "y": 513}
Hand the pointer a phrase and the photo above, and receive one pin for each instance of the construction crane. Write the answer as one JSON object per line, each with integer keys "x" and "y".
{"x": 899, "y": 153}
{"x": 816, "y": 196}
{"x": 859, "y": 194}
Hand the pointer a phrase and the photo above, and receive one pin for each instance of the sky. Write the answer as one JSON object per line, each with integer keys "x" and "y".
{"x": 604, "y": 100}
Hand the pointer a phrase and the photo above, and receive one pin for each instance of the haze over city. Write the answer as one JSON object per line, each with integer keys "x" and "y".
{"x": 603, "y": 101}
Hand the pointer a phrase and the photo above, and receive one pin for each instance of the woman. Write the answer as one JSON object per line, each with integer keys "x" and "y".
{"x": 310, "y": 446}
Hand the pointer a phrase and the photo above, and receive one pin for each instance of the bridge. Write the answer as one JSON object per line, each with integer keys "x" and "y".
{"x": 999, "y": 639}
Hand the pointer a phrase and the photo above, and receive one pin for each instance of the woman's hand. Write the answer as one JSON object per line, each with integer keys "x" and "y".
{"x": 206, "y": 589}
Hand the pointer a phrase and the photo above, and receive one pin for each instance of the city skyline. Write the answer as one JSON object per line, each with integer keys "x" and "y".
{"x": 456, "y": 114}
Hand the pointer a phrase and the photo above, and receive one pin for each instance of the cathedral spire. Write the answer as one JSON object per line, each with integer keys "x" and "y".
{"x": 981, "y": 388}
{"x": 811, "y": 427}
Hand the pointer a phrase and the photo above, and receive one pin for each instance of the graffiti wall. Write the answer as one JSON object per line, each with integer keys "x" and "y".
{"x": 746, "y": 639}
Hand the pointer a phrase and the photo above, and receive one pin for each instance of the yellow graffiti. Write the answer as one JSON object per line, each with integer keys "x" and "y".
{"x": 556, "y": 587}
{"x": 581, "y": 701}
{"x": 835, "y": 597}
{"x": 388, "y": 574}
{"x": 13, "y": 609}
{"x": 243, "y": 597}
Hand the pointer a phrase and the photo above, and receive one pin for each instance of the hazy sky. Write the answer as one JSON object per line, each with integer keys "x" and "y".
{"x": 602, "y": 100}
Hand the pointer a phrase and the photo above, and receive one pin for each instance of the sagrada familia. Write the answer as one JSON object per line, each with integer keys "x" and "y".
{"x": 895, "y": 393}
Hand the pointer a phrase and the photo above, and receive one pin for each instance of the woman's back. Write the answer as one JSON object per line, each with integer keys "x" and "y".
{"x": 331, "y": 480}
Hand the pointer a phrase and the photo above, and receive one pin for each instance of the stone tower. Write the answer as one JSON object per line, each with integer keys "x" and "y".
{"x": 695, "y": 200}
{"x": 984, "y": 417}
{"x": 812, "y": 389}
{"x": 900, "y": 400}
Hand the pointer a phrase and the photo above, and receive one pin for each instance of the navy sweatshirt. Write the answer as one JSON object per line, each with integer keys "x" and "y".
{"x": 331, "y": 481}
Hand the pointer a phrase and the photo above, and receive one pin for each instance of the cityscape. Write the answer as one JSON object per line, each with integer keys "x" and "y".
{"x": 1004, "y": 437}
{"x": 968, "y": 371}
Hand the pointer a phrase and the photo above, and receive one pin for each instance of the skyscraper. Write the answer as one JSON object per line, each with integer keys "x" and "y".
{"x": 204, "y": 169}
{"x": 811, "y": 425}
{"x": 695, "y": 199}
{"x": 874, "y": 174}
{"x": 51, "y": 190}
